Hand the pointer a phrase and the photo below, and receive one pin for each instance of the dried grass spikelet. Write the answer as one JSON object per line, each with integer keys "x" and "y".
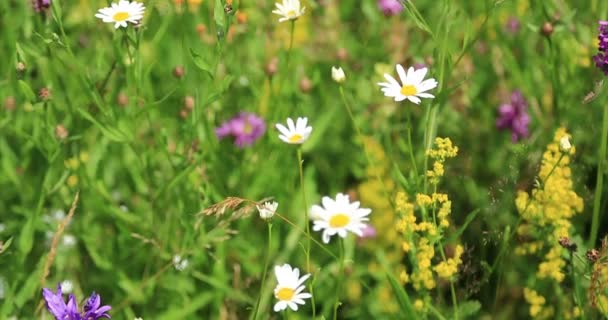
{"x": 55, "y": 243}
{"x": 599, "y": 281}
{"x": 239, "y": 207}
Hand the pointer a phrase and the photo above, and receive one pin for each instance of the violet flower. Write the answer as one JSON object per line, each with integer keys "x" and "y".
{"x": 514, "y": 116}
{"x": 390, "y": 7}
{"x": 62, "y": 311}
{"x": 246, "y": 128}
{"x": 41, "y": 5}
{"x": 601, "y": 58}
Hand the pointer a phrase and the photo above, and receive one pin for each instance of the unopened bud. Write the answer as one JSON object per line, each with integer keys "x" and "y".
{"x": 547, "y": 29}
{"x": 178, "y": 72}
{"x": 122, "y": 99}
{"x": 189, "y": 103}
{"x": 10, "y": 103}
{"x": 342, "y": 54}
{"x": 272, "y": 66}
{"x": 20, "y": 67}
{"x": 61, "y": 132}
{"x": 44, "y": 94}
{"x": 305, "y": 85}
{"x": 338, "y": 74}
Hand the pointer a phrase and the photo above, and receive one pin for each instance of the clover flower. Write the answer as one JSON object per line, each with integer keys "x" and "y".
{"x": 41, "y": 5}
{"x": 514, "y": 116}
{"x": 390, "y": 7}
{"x": 121, "y": 13}
{"x": 601, "y": 58}
{"x": 246, "y": 128}
{"x": 339, "y": 217}
{"x": 92, "y": 309}
{"x": 289, "y": 288}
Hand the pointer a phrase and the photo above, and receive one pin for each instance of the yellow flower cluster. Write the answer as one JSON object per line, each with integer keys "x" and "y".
{"x": 538, "y": 310}
{"x": 372, "y": 192}
{"x": 420, "y": 238}
{"x": 73, "y": 164}
{"x": 444, "y": 150}
{"x": 547, "y": 212}
{"x": 446, "y": 269}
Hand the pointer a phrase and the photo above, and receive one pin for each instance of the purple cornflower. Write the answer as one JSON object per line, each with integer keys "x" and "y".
{"x": 601, "y": 58}
{"x": 41, "y": 5}
{"x": 62, "y": 311}
{"x": 390, "y": 7}
{"x": 246, "y": 128}
{"x": 514, "y": 116}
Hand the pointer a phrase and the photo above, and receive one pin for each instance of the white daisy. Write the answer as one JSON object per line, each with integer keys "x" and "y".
{"x": 289, "y": 288}
{"x": 121, "y": 13}
{"x": 290, "y": 10}
{"x": 294, "y": 133}
{"x": 268, "y": 209}
{"x": 338, "y": 74}
{"x": 339, "y": 216}
{"x": 412, "y": 88}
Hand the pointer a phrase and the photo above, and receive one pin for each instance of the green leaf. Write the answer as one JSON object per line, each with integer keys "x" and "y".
{"x": 111, "y": 133}
{"x": 219, "y": 16}
{"x": 200, "y": 63}
{"x": 189, "y": 308}
{"x": 6, "y": 244}
{"x": 26, "y": 237}
{"x": 92, "y": 244}
{"x": 402, "y": 297}
{"x": 466, "y": 223}
{"x": 27, "y": 91}
{"x": 468, "y": 308}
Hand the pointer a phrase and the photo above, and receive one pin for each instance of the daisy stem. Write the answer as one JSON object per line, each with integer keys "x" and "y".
{"x": 409, "y": 142}
{"x": 306, "y": 222}
{"x": 597, "y": 198}
{"x": 340, "y": 279}
{"x": 293, "y": 26}
{"x": 361, "y": 140}
{"x": 257, "y": 305}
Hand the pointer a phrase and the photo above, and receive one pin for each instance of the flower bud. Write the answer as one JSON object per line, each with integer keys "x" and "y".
{"x": 61, "y": 132}
{"x": 178, "y": 72}
{"x": 338, "y": 74}
{"x": 547, "y": 29}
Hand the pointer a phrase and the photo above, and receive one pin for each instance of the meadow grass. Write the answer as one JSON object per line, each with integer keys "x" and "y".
{"x": 143, "y": 162}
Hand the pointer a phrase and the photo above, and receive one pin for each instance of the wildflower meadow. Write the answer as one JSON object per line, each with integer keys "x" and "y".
{"x": 303, "y": 159}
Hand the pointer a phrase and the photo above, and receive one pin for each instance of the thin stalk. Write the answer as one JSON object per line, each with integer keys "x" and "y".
{"x": 257, "y": 305}
{"x": 307, "y": 222}
{"x": 293, "y": 26}
{"x": 577, "y": 297}
{"x": 361, "y": 140}
{"x": 409, "y": 142}
{"x": 340, "y": 279}
{"x": 597, "y": 201}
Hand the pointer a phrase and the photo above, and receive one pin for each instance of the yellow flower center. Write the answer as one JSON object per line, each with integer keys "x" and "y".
{"x": 339, "y": 220}
{"x": 295, "y": 138}
{"x": 291, "y": 14}
{"x": 248, "y": 128}
{"x": 121, "y": 16}
{"x": 285, "y": 294}
{"x": 408, "y": 90}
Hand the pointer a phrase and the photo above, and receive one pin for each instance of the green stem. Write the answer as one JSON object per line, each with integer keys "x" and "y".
{"x": 293, "y": 25}
{"x": 361, "y": 140}
{"x": 307, "y": 222}
{"x": 577, "y": 297}
{"x": 257, "y": 305}
{"x": 409, "y": 143}
{"x": 340, "y": 279}
{"x": 597, "y": 201}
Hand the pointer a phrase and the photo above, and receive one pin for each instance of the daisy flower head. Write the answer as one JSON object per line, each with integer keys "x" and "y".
{"x": 295, "y": 133}
{"x": 412, "y": 87}
{"x": 121, "y": 13}
{"x": 339, "y": 216}
{"x": 289, "y": 10}
{"x": 289, "y": 288}
{"x": 267, "y": 209}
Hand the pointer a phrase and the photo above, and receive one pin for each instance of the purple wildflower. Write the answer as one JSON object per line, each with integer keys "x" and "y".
{"x": 390, "y": 7}
{"x": 512, "y": 25}
{"x": 62, "y": 311}
{"x": 246, "y": 128}
{"x": 41, "y": 5}
{"x": 601, "y": 58}
{"x": 514, "y": 116}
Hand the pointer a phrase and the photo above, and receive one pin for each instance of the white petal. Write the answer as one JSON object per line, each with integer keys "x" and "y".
{"x": 418, "y": 75}
{"x": 291, "y": 125}
{"x": 427, "y": 85}
{"x": 414, "y": 99}
{"x": 282, "y": 129}
{"x": 402, "y": 74}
